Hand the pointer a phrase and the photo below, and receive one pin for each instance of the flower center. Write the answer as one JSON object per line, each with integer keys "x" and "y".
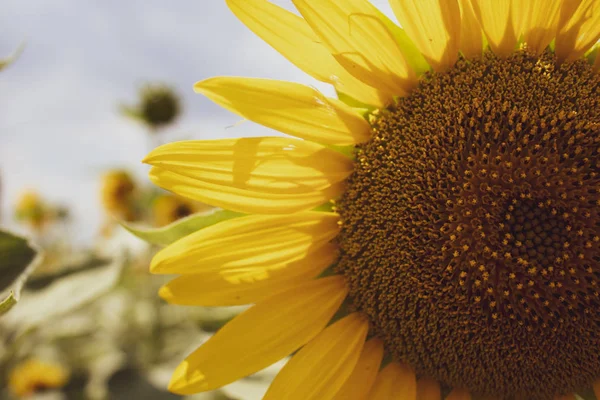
{"x": 182, "y": 210}
{"x": 471, "y": 230}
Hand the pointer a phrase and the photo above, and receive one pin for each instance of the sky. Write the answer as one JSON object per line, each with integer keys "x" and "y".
{"x": 60, "y": 128}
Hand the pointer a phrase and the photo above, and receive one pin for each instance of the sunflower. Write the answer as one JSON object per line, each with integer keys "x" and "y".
{"x": 34, "y": 375}
{"x": 460, "y": 257}
{"x": 168, "y": 208}
{"x": 118, "y": 192}
{"x": 32, "y": 209}
{"x": 159, "y": 105}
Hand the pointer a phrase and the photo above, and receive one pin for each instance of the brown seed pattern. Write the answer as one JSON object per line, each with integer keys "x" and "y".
{"x": 471, "y": 227}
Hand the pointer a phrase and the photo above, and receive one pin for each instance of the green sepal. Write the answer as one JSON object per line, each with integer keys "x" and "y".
{"x": 593, "y": 54}
{"x": 325, "y": 207}
{"x": 361, "y": 108}
{"x": 413, "y": 56}
{"x": 180, "y": 228}
{"x": 348, "y": 151}
{"x": 484, "y": 42}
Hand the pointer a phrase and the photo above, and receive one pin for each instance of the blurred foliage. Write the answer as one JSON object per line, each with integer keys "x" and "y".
{"x": 96, "y": 311}
{"x": 17, "y": 257}
{"x": 35, "y": 212}
{"x": 126, "y": 201}
{"x": 89, "y": 323}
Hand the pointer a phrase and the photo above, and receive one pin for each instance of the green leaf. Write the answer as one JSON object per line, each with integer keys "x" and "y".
{"x": 10, "y": 59}
{"x": 7, "y": 303}
{"x": 180, "y": 228}
{"x": 17, "y": 258}
{"x": 15, "y": 255}
{"x": 64, "y": 295}
{"x": 74, "y": 264}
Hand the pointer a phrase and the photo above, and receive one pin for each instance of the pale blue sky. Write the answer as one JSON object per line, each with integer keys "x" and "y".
{"x": 59, "y": 126}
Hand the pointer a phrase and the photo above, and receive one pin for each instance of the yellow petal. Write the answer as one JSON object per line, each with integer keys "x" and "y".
{"x": 500, "y": 23}
{"x": 260, "y": 336}
{"x": 579, "y": 28}
{"x": 434, "y": 27}
{"x": 271, "y": 164}
{"x": 262, "y": 242}
{"x": 471, "y": 36}
{"x": 459, "y": 394}
{"x": 237, "y": 286}
{"x": 396, "y": 381}
{"x": 242, "y": 200}
{"x": 361, "y": 42}
{"x": 359, "y": 384}
{"x": 320, "y": 369}
{"x": 412, "y": 55}
{"x": 540, "y": 22}
{"x": 428, "y": 389}
{"x": 294, "y": 39}
{"x": 251, "y": 175}
{"x": 288, "y": 107}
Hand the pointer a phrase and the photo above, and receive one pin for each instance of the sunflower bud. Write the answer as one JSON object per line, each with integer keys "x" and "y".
{"x": 118, "y": 192}
{"x": 158, "y": 106}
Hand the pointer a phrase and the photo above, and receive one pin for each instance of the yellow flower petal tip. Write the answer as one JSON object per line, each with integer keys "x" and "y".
{"x": 183, "y": 379}
{"x": 360, "y": 40}
{"x": 434, "y": 26}
{"x": 261, "y": 175}
{"x": 288, "y": 107}
{"x": 166, "y": 294}
{"x": 291, "y": 35}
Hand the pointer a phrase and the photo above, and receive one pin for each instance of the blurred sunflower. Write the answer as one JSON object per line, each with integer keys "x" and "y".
{"x": 32, "y": 209}
{"x": 169, "y": 208}
{"x": 464, "y": 245}
{"x": 158, "y": 106}
{"x": 118, "y": 192}
{"x": 34, "y": 375}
